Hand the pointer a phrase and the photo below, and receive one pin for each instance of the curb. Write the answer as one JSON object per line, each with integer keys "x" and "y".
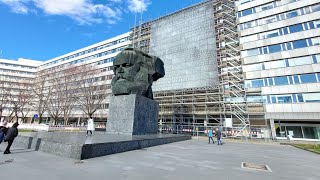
{"x": 293, "y": 145}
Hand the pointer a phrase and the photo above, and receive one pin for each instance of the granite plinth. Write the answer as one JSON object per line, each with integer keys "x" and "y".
{"x": 132, "y": 115}
{"x": 76, "y": 145}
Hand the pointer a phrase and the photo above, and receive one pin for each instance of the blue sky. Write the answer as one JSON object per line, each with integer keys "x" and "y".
{"x": 44, "y": 29}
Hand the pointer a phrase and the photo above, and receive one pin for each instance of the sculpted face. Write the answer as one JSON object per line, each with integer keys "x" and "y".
{"x": 129, "y": 77}
{"x": 134, "y": 73}
{"x": 125, "y": 69}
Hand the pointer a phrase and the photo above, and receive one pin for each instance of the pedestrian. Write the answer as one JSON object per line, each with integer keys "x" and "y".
{"x": 90, "y": 126}
{"x": 3, "y": 130}
{"x": 218, "y": 134}
{"x": 210, "y": 135}
{"x": 10, "y": 136}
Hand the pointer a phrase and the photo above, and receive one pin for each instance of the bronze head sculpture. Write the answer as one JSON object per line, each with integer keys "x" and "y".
{"x": 135, "y": 71}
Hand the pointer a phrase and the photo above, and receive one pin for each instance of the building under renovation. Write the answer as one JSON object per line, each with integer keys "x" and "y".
{"x": 235, "y": 64}
{"x": 203, "y": 85}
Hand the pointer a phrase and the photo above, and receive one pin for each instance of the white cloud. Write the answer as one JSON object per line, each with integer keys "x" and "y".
{"x": 17, "y": 6}
{"x": 83, "y": 11}
{"x": 138, "y": 5}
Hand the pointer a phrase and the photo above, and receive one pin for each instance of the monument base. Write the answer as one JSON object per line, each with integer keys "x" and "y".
{"x": 132, "y": 115}
{"x": 76, "y": 145}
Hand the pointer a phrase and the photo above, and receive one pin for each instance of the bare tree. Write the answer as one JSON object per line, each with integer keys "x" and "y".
{"x": 20, "y": 99}
{"x": 24, "y": 98}
{"x": 42, "y": 92}
{"x": 54, "y": 103}
{"x": 3, "y": 95}
{"x": 68, "y": 85}
{"x": 91, "y": 89}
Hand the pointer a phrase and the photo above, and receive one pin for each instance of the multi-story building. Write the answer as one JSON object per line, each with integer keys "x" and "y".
{"x": 15, "y": 79}
{"x": 280, "y": 54}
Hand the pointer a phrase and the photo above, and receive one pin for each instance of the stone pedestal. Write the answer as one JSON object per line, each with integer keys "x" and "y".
{"x": 132, "y": 115}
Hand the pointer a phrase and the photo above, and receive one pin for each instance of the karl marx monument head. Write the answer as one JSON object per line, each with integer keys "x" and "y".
{"x": 135, "y": 72}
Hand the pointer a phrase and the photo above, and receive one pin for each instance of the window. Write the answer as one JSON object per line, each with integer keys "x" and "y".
{"x": 265, "y": 7}
{"x": 253, "y": 67}
{"x": 317, "y": 23}
{"x": 248, "y": 38}
{"x": 257, "y": 83}
{"x": 275, "y": 48}
{"x": 246, "y": 12}
{"x": 299, "y": 44}
{"x": 270, "y": 20}
{"x": 250, "y": 52}
{"x": 300, "y": 97}
{"x": 269, "y": 34}
{"x": 300, "y": 61}
{"x": 296, "y": 79}
{"x": 285, "y": 31}
{"x": 311, "y": 97}
{"x": 270, "y": 81}
{"x": 284, "y": 99}
{"x": 247, "y": 25}
{"x": 292, "y": 14}
{"x": 275, "y": 64}
{"x": 254, "y": 99}
{"x": 308, "y": 78}
{"x": 281, "y": 80}
{"x": 315, "y": 41}
{"x": 289, "y": 46}
{"x": 296, "y": 28}
{"x": 316, "y": 8}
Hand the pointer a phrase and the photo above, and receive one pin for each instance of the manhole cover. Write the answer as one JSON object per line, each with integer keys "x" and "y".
{"x": 254, "y": 166}
{"x": 6, "y": 161}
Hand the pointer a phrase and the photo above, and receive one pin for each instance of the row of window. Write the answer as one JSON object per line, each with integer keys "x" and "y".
{"x": 282, "y": 31}
{"x": 17, "y": 66}
{"x": 15, "y": 72}
{"x": 299, "y": 61}
{"x": 286, "y": 98}
{"x": 280, "y": 17}
{"x": 87, "y": 51}
{"x": 293, "y": 98}
{"x": 242, "y": 2}
{"x": 264, "y": 7}
{"x": 281, "y": 47}
{"x": 283, "y": 80}
{"x": 92, "y": 57}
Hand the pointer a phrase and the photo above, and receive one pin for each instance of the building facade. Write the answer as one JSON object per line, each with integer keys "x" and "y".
{"x": 16, "y": 79}
{"x": 280, "y": 54}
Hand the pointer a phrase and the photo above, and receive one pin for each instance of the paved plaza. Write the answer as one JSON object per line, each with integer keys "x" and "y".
{"x": 192, "y": 159}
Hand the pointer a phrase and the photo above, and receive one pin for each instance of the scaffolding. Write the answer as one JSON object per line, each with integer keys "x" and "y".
{"x": 195, "y": 107}
{"x": 234, "y": 104}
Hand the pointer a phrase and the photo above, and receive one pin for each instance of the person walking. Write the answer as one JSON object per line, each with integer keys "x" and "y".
{"x": 218, "y": 134}
{"x": 10, "y": 136}
{"x": 90, "y": 126}
{"x": 3, "y": 130}
{"x": 210, "y": 135}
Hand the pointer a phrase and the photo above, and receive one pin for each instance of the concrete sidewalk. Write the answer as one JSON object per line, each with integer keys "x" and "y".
{"x": 193, "y": 159}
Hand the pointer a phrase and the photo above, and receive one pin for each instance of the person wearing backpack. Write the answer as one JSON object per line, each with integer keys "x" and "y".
{"x": 10, "y": 136}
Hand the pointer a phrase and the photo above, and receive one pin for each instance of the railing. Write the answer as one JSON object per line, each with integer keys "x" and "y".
{"x": 46, "y": 127}
{"x": 194, "y": 130}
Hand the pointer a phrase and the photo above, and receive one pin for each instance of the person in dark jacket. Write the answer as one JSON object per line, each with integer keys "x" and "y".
{"x": 11, "y": 134}
{"x": 218, "y": 134}
{"x": 3, "y": 130}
